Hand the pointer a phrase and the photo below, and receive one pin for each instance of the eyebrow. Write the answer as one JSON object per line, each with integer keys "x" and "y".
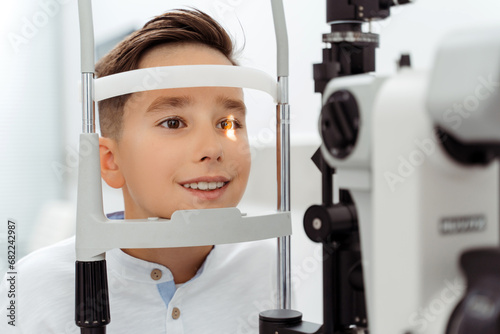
{"x": 235, "y": 105}
{"x": 179, "y": 102}
{"x": 176, "y": 102}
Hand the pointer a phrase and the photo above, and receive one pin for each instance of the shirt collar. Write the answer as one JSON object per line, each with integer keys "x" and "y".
{"x": 136, "y": 269}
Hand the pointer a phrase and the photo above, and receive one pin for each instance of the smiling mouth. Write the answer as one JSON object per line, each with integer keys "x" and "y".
{"x": 206, "y": 186}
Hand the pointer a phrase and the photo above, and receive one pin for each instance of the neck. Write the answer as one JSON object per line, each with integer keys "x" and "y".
{"x": 183, "y": 262}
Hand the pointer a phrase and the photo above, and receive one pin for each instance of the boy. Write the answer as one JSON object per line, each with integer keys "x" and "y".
{"x": 167, "y": 150}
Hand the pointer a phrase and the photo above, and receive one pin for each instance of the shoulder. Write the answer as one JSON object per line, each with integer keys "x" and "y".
{"x": 47, "y": 267}
{"x": 50, "y": 260}
{"x": 44, "y": 288}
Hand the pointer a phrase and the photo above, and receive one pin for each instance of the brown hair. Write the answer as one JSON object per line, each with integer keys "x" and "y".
{"x": 178, "y": 26}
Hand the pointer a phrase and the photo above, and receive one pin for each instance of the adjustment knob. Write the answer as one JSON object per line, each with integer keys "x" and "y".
{"x": 340, "y": 123}
{"x": 404, "y": 61}
{"x": 479, "y": 310}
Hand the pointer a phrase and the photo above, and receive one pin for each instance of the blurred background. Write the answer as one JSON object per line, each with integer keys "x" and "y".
{"x": 40, "y": 115}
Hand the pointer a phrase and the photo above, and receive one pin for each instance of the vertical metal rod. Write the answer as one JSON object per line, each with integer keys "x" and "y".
{"x": 88, "y": 114}
{"x": 283, "y": 176}
{"x": 87, "y": 64}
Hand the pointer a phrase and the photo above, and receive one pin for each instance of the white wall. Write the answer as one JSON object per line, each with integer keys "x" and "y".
{"x": 31, "y": 118}
{"x": 40, "y": 117}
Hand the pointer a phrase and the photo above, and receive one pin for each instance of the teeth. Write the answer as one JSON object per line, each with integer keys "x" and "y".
{"x": 205, "y": 185}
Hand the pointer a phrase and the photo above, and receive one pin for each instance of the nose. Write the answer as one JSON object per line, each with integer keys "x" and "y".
{"x": 209, "y": 147}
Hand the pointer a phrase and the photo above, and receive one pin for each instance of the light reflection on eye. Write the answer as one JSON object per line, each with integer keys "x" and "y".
{"x": 229, "y": 125}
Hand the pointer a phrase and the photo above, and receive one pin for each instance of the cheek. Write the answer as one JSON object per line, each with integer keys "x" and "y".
{"x": 241, "y": 159}
{"x": 149, "y": 161}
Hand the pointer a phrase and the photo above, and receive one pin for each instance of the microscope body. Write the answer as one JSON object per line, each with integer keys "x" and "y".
{"x": 418, "y": 208}
{"x": 415, "y": 159}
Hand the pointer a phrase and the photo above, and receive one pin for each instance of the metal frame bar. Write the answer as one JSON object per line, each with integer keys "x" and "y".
{"x": 283, "y": 123}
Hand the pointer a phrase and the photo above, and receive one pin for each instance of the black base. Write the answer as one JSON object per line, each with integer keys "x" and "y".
{"x": 95, "y": 330}
{"x": 286, "y": 322}
{"x": 91, "y": 297}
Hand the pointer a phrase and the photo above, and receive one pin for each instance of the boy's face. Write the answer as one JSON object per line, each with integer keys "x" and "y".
{"x": 184, "y": 148}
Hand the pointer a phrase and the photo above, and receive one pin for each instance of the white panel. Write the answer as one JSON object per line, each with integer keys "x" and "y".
{"x": 30, "y": 116}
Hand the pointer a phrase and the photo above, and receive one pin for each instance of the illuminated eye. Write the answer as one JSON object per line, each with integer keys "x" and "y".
{"x": 227, "y": 124}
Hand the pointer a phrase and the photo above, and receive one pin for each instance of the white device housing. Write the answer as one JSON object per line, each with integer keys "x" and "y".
{"x": 463, "y": 90}
{"x": 418, "y": 209}
{"x": 416, "y": 248}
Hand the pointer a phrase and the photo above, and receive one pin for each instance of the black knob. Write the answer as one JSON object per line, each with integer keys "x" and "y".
{"x": 340, "y": 123}
{"x": 404, "y": 61}
{"x": 479, "y": 311}
{"x": 327, "y": 223}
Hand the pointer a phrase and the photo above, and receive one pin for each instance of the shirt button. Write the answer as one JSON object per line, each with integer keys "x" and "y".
{"x": 176, "y": 313}
{"x": 156, "y": 274}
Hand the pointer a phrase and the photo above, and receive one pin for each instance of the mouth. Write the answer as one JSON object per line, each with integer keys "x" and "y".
{"x": 206, "y": 188}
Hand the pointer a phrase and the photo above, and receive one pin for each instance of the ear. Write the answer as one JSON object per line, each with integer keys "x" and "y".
{"x": 110, "y": 170}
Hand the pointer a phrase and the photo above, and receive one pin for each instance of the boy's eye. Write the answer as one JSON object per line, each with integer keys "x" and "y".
{"x": 173, "y": 123}
{"x": 228, "y": 124}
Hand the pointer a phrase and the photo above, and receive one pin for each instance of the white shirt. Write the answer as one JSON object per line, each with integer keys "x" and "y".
{"x": 236, "y": 282}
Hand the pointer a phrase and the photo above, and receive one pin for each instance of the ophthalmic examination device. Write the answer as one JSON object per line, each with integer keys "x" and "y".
{"x": 410, "y": 229}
